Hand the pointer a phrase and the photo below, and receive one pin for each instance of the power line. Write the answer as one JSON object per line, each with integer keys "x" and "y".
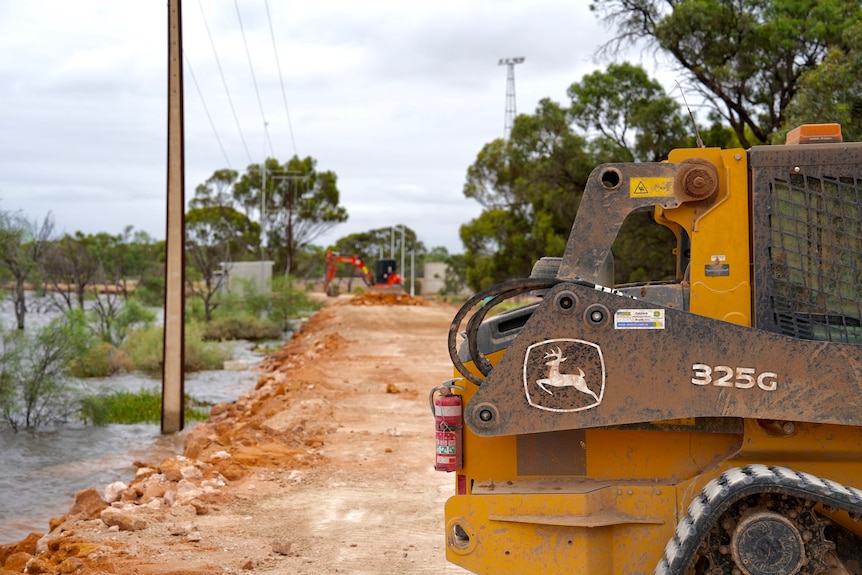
{"x": 224, "y": 82}
{"x": 280, "y": 79}
{"x": 253, "y": 78}
{"x": 206, "y": 110}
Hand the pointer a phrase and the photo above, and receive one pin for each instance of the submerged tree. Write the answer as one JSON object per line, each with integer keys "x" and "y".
{"x": 71, "y": 266}
{"x": 23, "y": 244}
{"x": 34, "y": 390}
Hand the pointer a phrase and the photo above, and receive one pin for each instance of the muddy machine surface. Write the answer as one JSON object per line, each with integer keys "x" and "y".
{"x": 707, "y": 425}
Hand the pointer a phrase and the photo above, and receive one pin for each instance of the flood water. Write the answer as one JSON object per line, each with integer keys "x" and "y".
{"x": 41, "y": 470}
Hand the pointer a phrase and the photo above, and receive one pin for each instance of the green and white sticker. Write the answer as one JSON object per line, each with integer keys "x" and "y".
{"x": 639, "y": 319}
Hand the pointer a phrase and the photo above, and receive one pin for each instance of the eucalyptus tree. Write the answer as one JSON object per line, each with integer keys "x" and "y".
{"x": 626, "y": 114}
{"x": 377, "y": 243}
{"x": 831, "y": 92}
{"x": 530, "y": 185}
{"x": 295, "y": 204}
{"x": 71, "y": 265}
{"x": 745, "y": 57}
{"x": 216, "y": 234}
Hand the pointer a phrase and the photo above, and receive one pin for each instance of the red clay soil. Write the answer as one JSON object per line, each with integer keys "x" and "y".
{"x": 325, "y": 467}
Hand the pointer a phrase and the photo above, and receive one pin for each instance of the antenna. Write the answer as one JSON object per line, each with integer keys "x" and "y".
{"x": 511, "y": 110}
{"x": 690, "y": 115}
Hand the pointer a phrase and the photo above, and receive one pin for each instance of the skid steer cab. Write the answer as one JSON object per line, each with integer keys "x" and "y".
{"x": 706, "y": 425}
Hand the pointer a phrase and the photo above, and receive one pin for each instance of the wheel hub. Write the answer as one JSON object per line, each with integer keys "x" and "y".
{"x": 765, "y": 535}
{"x": 766, "y": 543}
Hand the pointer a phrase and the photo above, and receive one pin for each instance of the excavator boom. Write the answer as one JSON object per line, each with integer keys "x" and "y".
{"x": 385, "y": 280}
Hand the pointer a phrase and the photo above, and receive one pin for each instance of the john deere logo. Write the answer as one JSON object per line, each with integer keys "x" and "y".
{"x": 564, "y": 375}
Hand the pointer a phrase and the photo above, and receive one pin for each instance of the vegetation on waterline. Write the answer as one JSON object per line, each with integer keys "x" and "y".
{"x": 128, "y": 407}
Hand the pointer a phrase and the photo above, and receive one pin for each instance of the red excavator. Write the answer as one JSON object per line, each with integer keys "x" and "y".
{"x": 386, "y": 280}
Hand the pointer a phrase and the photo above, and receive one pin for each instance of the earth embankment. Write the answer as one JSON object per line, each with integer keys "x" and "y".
{"x": 325, "y": 467}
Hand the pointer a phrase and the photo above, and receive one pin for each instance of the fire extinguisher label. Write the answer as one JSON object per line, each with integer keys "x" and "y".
{"x": 446, "y": 443}
{"x": 448, "y": 410}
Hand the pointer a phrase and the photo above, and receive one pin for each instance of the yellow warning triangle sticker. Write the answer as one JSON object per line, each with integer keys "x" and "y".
{"x": 651, "y": 187}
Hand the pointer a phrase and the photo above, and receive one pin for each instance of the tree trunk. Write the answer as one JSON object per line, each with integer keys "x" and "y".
{"x": 20, "y": 303}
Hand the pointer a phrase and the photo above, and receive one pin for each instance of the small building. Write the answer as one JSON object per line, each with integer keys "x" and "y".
{"x": 240, "y": 274}
{"x": 434, "y": 279}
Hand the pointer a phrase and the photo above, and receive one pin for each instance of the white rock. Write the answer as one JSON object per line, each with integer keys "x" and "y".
{"x": 170, "y": 497}
{"x": 282, "y": 546}
{"x": 186, "y": 491}
{"x": 212, "y": 483}
{"x": 191, "y": 472}
{"x": 113, "y": 491}
{"x": 295, "y": 476}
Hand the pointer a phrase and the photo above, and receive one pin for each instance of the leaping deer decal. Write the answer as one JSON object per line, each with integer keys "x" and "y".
{"x": 557, "y": 379}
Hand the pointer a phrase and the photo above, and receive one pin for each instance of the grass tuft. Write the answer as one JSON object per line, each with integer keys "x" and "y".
{"x": 128, "y": 407}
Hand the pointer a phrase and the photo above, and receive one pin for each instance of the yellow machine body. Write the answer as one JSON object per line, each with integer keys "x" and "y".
{"x": 616, "y": 486}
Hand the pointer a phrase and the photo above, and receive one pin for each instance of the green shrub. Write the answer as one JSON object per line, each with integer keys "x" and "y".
{"x": 275, "y": 308}
{"x": 99, "y": 360}
{"x": 144, "y": 348}
{"x": 194, "y": 309}
{"x": 127, "y": 407}
{"x": 241, "y": 327}
{"x": 200, "y": 355}
{"x": 288, "y": 301}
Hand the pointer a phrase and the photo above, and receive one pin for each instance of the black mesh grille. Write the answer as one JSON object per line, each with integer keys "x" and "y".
{"x": 815, "y": 257}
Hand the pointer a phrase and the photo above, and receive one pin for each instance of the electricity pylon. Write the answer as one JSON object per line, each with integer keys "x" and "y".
{"x": 511, "y": 109}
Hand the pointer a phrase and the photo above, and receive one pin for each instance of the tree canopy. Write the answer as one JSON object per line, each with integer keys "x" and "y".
{"x": 530, "y": 185}
{"x": 745, "y": 57}
{"x": 295, "y": 203}
{"x": 378, "y": 243}
{"x": 831, "y": 92}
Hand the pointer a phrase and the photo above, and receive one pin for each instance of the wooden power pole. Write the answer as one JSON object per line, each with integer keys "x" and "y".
{"x": 174, "y": 332}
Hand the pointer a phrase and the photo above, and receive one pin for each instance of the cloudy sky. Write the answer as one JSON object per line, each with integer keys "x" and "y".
{"x": 395, "y": 97}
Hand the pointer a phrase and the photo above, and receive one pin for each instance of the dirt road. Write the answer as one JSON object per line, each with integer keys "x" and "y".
{"x": 326, "y": 467}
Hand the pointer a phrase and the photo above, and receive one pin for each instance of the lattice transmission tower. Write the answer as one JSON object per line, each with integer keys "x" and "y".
{"x": 511, "y": 109}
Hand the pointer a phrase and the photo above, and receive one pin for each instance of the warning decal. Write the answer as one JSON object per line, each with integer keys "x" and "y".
{"x": 639, "y": 319}
{"x": 651, "y": 188}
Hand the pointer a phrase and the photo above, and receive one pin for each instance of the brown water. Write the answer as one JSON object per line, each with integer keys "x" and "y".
{"x": 41, "y": 470}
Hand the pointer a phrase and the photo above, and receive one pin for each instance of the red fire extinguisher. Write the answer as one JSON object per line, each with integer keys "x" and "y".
{"x": 448, "y": 424}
